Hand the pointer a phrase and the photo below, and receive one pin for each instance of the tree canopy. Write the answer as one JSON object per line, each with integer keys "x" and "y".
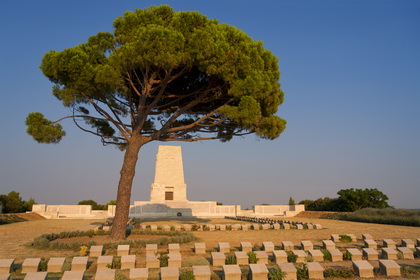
{"x": 349, "y": 200}
{"x": 13, "y": 203}
{"x": 167, "y": 76}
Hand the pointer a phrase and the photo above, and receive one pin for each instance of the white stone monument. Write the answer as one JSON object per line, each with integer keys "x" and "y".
{"x": 169, "y": 182}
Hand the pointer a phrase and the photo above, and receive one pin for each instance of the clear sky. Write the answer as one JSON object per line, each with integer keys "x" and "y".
{"x": 351, "y": 76}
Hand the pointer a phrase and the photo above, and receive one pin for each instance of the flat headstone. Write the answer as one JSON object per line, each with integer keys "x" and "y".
{"x": 262, "y": 257}
{"x": 366, "y": 236}
{"x": 317, "y": 226}
{"x": 6, "y": 276}
{"x": 169, "y": 273}
{"x": 370, "y": 254}
{"x": 245, "y": 226}
{"x": 174, "y": 260}
{"x": 335, "y": 237}
{"x": 286, "y": 226}
{"x": 200, "y": 248}
{"x": 256, "y": 226}
{"x": 211, "y": 227}
{"x": 105, "y": 274}
{"x": 79, "y": 263}
{"x": 407, "y": 253}
{"x": 173, "y": 248}
{"x": 151, "y": 249}
{"x": 246, "y": 246}
{"x": 299, "y": 226}
{"x": 389, "y": 253}
{"x": 139, "y": 274}
{"x": 389, "y": 243}
{"x": 241, "y": 258}
{"x": 152, "y": 261}
{"x": 290, "y": 270}
{"x": 280, "y": 256}
{"x": 218, "y": 258}
{"x": 356, "y": 255}
{"x": 55, "y": 264}
{"x": 153, "y": 227}
{"x": 106, "y": 228}
{"x": 266, "y": 226}
{"x": 316, "y": 255}
{"x": 96, "y": 251}
{"x": 30, "y": 265}
{"x": 128, "y": 261}
{"x": 306, "y": 245}
{"x": 268, "y": 246}
{"x": 232, "y": 272}
{"x": 369, "y": 243}
{"x": 36, "y": 276}
{"x": 222, "y": 227}
{"x": 310, "y": 226}
{"x": 389, "y": 268}
{"x": 177, "y": 227}
{"x": 73, "y": 275}
{"x": 315, "y": 270}
{"x": 363, "y": 269}
{"x": 409, "y": 243}
{"x": 123, "y": 250}
{"x": 6, "y": 265}
{"x": 103, "y": 262}
{"x": 287, "y": 245}
{"x": 166, "y": 227}
{"x": 258, "y": 271}
{"x": 336, "y": 255}
{"x": 201, "y": 272}
{"x": 328, "y": 244}
{"x": 301, "y": 255}
{"x": 276, "y": 226}
{"x": 224, "y": 247}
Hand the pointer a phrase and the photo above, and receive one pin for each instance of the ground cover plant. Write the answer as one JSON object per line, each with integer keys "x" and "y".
{"x": 389, "y": 216}
{"x": 54, "y": 241}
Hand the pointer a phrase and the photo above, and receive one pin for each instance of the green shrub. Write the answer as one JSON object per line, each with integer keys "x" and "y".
{"x": 230, "y": 259}
{"x": 256, "y": 248}
{"x": 408, "y": 271}
{"x": 339, "y": 272}
{"x": 309, "y": 258}
{"x": 345, "y": 238}
{"x": 291, "y": 257}
{"x": 302, "y": 272}
{"x": 327, "y": 255}
{"x": 163, "y": 260}
{"x": 347, "y": 256}
{"x": 276, "y": 274}
{"x": 252, "y": 258}
{"x": 229, "y": 227}
{"x": 186, "y": 275}
{"x": 244, "y": 273}
{"x": 43, "y": 264}
{"x": 400, "y": 255}
{"x": 390, "y": 216}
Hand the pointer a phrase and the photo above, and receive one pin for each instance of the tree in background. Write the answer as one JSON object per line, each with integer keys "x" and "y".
{"x": 349, "y": 200}
{"x": 13, "y": 203}
{"x": 291, "y": 201}
{"x": 355, "y": 199}
{"x": 95, "y": 205}
{"x": 166, "y": 76}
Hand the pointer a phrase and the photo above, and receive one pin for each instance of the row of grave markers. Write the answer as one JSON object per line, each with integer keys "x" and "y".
{"x": 362, "y": 268}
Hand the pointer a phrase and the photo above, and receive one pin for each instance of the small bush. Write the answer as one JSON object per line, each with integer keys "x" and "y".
{"x": 252, "y": 258}
{"x": 291, "y": 257}
{"x": 244, "y": 273}
{"x": 339, "y": 272}
{"x": 327, "y": 255}
{"x": 345, "y": 238}
{"x": 230, "y": 259}
{"x": 43, "y": 264}
{"x": 400, "y": 255}
{"x": 347, "y": 256}
{"x": 276, "y": 274}
{"x": 256, "y": 248}
{"x": 163, "y": 260}
{"x": 407, "y": 271}
{"x": 229, "y": 227}
{"x": 309, "y": 258}
{"x": 302, "y": 272}
{"x": 186, "y": 275}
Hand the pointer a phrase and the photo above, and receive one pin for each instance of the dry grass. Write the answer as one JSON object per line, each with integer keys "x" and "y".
{"x": 13, "y": 237}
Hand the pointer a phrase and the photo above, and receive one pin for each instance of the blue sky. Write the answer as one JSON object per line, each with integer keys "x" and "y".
{"x": 350, "y": 72}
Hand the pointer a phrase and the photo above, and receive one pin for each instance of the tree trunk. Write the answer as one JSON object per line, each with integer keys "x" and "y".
{"x": 124, "y": 188}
